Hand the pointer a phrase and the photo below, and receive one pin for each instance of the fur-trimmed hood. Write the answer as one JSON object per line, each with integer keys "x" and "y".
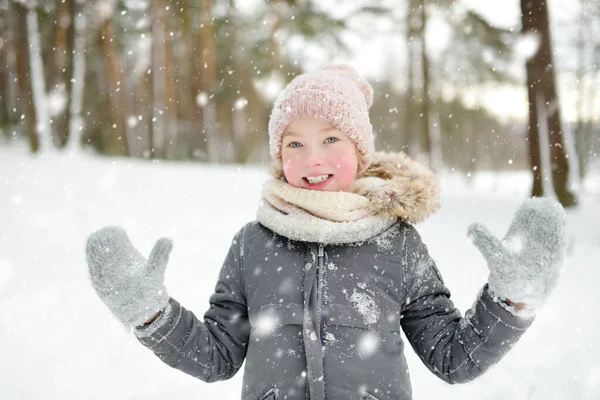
{"x": 398, "y": 186}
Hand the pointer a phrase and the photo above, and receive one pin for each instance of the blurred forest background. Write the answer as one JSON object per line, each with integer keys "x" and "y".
{"x": 195, "y": 80}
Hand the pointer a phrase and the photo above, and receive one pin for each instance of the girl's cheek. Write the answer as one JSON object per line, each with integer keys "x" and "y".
{"x": 346, "y": 163}
{"x": 288, "y": 166}
{"x": 290, "y": 171}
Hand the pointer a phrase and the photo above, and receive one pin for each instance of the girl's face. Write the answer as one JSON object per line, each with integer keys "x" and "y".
{"x": 317, "y": 156}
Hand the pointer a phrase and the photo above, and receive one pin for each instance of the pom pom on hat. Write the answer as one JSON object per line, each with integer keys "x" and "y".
{"x": 337, "y": 94}
{"x": 362, "y": 83}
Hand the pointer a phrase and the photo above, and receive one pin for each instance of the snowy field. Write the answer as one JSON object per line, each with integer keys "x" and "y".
{"x": 58, "y": 341}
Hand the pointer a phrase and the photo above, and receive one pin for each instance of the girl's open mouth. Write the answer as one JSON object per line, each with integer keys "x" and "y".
{"x": 317, "y": 182}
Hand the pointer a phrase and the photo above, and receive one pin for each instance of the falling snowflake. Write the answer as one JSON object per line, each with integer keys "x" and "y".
{"x": 202, "y": 99}
{"x": 367, "y": 344}
{"x": 266, "y": 323}
{"x": 528, "y": 45}
{"x": 514, "y": 244}
{"x": 57, "y": 100}
{"x": 240, "y": 103}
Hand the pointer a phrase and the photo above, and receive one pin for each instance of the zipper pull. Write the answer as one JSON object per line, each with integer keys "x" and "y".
{"x": 321, "y": 254}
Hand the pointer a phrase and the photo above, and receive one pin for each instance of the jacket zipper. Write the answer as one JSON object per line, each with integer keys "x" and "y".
{"x": 320, "y": 256}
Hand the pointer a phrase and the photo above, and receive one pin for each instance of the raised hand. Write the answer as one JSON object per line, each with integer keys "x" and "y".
{"x": 525, "y": 265}
{"x": 131, "y": 286}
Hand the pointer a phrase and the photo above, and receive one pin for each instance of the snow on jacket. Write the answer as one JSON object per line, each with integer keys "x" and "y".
{"x": 321, "y": 320}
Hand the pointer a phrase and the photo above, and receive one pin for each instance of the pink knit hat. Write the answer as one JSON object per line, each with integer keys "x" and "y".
{"x": 336, "y": 94}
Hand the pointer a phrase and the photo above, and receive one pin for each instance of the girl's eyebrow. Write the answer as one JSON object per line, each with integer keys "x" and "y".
{"x": 325, "y": 130}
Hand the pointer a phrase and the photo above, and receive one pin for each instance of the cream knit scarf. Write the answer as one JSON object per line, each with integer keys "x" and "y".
{"x": 321, "y": 216}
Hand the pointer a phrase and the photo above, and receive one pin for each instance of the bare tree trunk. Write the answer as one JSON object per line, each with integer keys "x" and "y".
{"x": 249, "y": 109}
{"x": 534, "y": 139}
{"x": 418, "y": 82}
{"x": 590, "y": 126}
{"x": 158, "y": 80}
{"x": 540, "y": 77}
{"x": 166, "y": 110}
{"x": 188, "y": 116}
{"x": 139, "y": 122}
{"x": 4, "y": 73}
{"x": 11, "y": 99}
{"x": 62, "y": 72}
{"x": 544, "y": 140}
{"x": 19, "y": 29}
{"x": 199, "y": 139}
{"x": 239, "y": 126}
{"x": 207, "y": 79}
{"x": 274, "y": 44}
{"x": 142, "y": 125}
{"x": 581, "y": 72}
{"x": 115, "y": 141}
{"x": 38, "y": 80}
{"x": 413, "y": 130}
{"x": 476, "y": 144}
{"x": 586, "y": 42}
{"x": 76, "y": 93}
{"x": 164, "y": 121}
{"x": 424, "y": 117}
{"x": 255, "y": 118}
{"x": 172, "y": 149}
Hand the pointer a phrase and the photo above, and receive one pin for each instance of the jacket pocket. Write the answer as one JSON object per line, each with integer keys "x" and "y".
{"x": 271, "y": 394}
{"x": 350, "y": 316}
{"x": 367, "y": 396}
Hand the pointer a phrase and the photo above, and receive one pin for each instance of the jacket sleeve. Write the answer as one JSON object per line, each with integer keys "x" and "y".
{"x": 456, "y": 349}
{"x": 212, "y": 350}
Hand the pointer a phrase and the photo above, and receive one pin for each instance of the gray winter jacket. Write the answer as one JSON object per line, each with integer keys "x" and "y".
{"x": 300, "y": 343}
{"x": 322, "y": 321}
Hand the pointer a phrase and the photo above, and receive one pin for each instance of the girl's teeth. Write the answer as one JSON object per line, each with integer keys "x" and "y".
{"x": 317, "y": 179}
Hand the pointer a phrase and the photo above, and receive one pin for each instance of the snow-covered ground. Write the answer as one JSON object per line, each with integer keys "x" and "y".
{"x": 58, "y": 341}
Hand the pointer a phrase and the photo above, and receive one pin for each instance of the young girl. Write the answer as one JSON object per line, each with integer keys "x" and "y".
{"x": 313, "y": 294}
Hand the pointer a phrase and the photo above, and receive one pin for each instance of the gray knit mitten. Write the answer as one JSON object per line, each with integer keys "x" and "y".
{"x": 525, "y": 265}
{"x": 131, "y": 286}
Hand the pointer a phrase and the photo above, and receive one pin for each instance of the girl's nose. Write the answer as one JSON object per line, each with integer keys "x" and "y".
{"x": 314, "y": 157}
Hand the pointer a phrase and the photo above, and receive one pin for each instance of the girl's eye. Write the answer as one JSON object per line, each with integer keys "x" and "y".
{"x": 331, "y": 139}
{"x": 294, "y": 144}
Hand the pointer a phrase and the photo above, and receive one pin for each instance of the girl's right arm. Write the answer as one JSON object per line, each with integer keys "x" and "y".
{"x": 213, "y": 349}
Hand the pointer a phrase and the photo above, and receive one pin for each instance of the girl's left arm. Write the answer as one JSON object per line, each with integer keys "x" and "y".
{"x": 457, "y": 349}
